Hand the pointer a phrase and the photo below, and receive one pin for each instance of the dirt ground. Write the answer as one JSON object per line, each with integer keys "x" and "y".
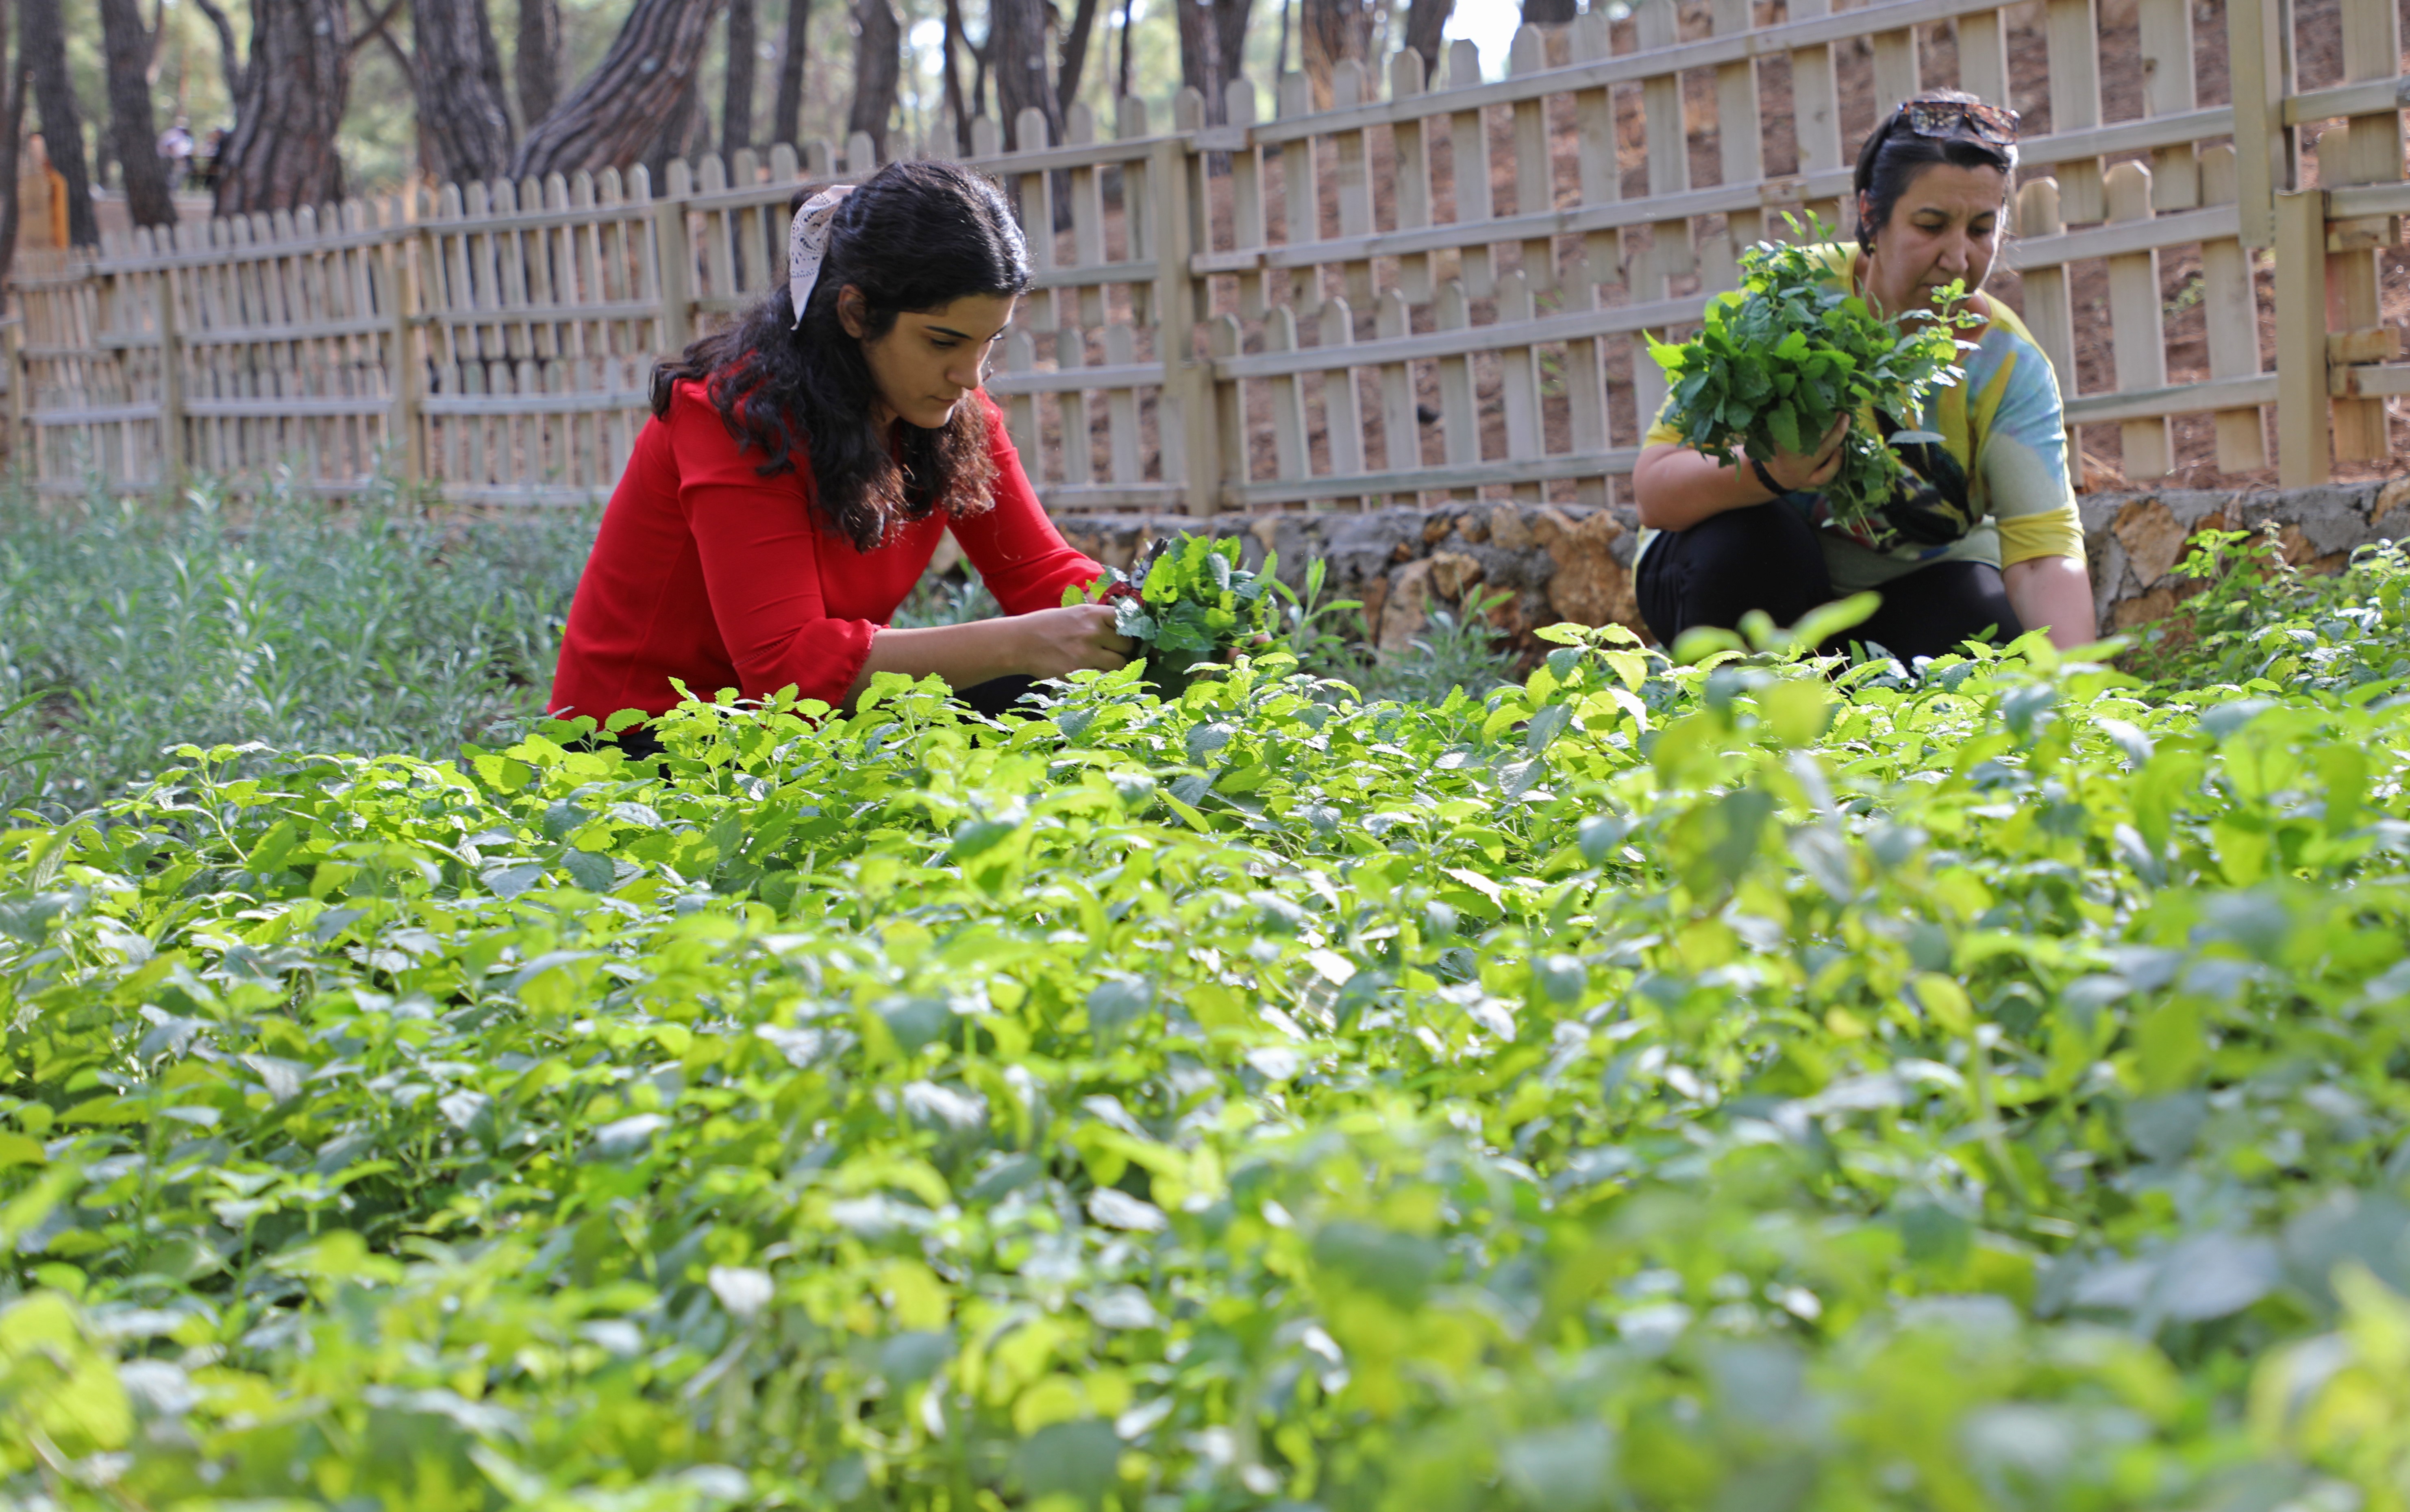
{"x": 2318, "y": 64}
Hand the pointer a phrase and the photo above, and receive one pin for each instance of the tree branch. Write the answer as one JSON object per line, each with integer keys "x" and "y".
{"x": 230, "y": 55}
{"x": 1074, "y": 59}
{"x": 378, "y": 25}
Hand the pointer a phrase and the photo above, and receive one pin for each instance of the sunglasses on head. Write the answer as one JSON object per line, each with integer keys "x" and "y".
{"x": 1995, "y": 123}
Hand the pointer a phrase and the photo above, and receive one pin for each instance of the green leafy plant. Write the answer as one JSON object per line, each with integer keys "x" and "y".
{"x": 2247, "y": 616}
{"x": 1653, "y": 1087}
{"x": 129, "y": 627}
{"x": 947, "y": 601}
{"x": 1309, "y": 617}
{"x": 1780, "y": 361}
{"x": 1193, "y": 601}
{"x": 1458, "y": 649}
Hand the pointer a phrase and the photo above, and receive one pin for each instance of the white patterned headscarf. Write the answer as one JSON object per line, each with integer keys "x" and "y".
{"x": 808, "y": 243}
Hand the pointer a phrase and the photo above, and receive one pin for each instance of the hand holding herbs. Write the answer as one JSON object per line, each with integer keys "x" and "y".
{"x": 1056, "y": 643}
{"x": 1194, "y": 602}
{"x": 1793, "y": 352}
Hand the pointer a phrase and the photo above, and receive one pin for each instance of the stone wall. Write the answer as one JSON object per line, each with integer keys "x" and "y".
{"x": 1537, "y": 564}
{"x": 2136, "y": 539}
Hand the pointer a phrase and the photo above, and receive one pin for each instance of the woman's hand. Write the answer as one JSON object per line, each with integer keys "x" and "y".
{"x": 1055, "y": 642}
{"x": 1051, "y": 643}
{"x": 1677, "y": 487}
{"x": 1796, "y": 470}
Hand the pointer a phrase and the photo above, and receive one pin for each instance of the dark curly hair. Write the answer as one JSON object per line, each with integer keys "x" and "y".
{"x": 1894, "y": 156}
{"x": 913, "y": 236}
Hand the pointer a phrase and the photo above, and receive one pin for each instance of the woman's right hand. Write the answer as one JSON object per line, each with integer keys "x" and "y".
{"x": 1796, "y": 470}
{"x": 1056, "y": 643}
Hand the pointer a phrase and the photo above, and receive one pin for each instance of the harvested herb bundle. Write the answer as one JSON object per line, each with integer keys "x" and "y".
{"x": 1193, "y": 602}
{"x": 1778, "y": 360}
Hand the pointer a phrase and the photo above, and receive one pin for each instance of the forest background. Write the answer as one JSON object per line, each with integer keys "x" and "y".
{"x": 319, "y": 99}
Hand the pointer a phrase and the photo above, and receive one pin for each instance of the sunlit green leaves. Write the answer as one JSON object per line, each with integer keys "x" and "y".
{"x": 1744, "y": 1083}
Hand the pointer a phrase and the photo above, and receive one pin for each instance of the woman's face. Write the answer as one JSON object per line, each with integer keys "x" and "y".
{"x": 930, "y": 358}
{"x": 1944, "y": 226}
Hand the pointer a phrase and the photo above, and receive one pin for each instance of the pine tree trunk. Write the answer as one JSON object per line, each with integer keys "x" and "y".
{"x": 535, "y": 64}
{"x": 12, "y": 136}
{"x": 670, "y": 143}
{"x": 786, "y": 117}
{"x": 129, "y": 47}
{"x": 1335, "y": 31}
{"x": 1426, "y": 31}
{"x": 1017, "y": 32}
{"x": 957, "y": 105}
{"x": 1230, "y": 18}
{"x": 617, "y": 112}
{"x": 877, "y": 70}
{"x": 281, "y": 155}
{"x": 1074, "y": 55}
{"x": 43, "y": 42}
{"x": 736, "y": 108}
{"x": 1200, "y": 56}
{"x": 1122, "y": 79}
{"x": 463, "y": 116}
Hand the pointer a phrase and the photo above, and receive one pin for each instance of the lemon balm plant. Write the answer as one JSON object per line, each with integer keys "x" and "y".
{"x": 1643, "y": 1088}
{"x": 1192, "y": 602}
{"x": 1780, "y": 361}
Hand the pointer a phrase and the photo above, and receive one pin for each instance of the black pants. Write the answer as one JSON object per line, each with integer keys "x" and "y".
{"x": 1770, "y": 558}
{"x": 990, "y": 698}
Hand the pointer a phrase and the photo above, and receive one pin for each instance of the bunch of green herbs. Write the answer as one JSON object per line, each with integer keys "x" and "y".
{"x": 1193, "y": 602}
{"x": 1791, "y": 352}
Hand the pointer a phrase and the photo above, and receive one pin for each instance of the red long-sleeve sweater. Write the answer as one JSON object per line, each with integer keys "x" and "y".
{"x": 705, "y": 571}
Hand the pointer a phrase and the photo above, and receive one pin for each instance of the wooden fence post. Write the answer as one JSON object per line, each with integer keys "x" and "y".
{"x": 1671, "y": 253}
{"x": 408, "y": 380}
{"x": 171, "y": 372}
{"x": 12, "y": 340}
{"x": 2072, "y": 32}
{"x": 2230, "y": 318}
{"x": 2136, "y": 326}
{"x": 1185, "y": 413}
{"x": 1469, "y": 172}
{"x": 1601, "y": 175}
{"x": 1353, "y": 85}
{"x": 2166, "y": 27}
{"x": 2258, "y": 60}
{"x": 2049, "y": 315}
{"x": 1343, "y": 406}
{"x": 1815, "y": 109}
{"x": 2367, "y": 151}
{"x": 1983, "y": 55}
{"x": 2302, "y": 455}
{"x": 1411, "y": 172}
{"x": 676, "y": 260}
{"x": 1535, "y": 190}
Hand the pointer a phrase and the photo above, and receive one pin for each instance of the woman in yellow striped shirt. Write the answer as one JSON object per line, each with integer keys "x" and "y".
{"x": 1986, "y": 539}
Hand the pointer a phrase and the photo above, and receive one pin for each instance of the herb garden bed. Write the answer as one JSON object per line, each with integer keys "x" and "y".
{"x": 1727, "y": 1085}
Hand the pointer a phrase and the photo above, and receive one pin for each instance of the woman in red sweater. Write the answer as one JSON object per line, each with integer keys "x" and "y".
{"x": 799, "y": 469}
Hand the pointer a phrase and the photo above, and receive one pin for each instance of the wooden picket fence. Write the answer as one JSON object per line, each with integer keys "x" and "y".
{"x": 1430, "y": 287}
